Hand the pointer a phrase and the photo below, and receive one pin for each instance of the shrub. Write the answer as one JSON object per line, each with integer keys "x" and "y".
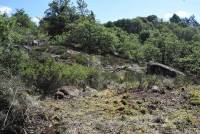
{"x": 151, "y": 53}
{"x": 58, "y": 50}
{"x": 144, "y": 35}
{"x": 194, "y": 97}
{"x": 49, "y": 75}
{"x": 12, "y": 105}
{"x": 93, "y": 37}
{"x": 44, "y": 75}
{"x": 59, "y": 39}
{"x": 81, "y": 59}
{"x": 99, "y": 80}
{"x": 76, "y": 74}
{"x": 12, "y": 58}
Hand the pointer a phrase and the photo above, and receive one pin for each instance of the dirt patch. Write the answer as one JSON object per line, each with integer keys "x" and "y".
{"x": 131, "y": 112}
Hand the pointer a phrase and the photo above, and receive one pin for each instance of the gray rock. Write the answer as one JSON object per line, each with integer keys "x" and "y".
{"x": 161, "y": 69}
{"x": 59, "y": 95}
{"x": 155, "y": 89}
{"x": 68, "y": 92}
{"x": 135, "y": 68}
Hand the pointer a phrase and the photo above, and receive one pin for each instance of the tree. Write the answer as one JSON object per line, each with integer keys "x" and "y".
{"x": 82, "y": 7}
{"x": 4, "y": 30}
{"x": 92, "y": 15}
{"x": 153, "y": 19}
{"x": 24, "y": 31}
{"x": 7, "y": 25}
{"x": 109, "y": 24}
{"x": 128, "y": 25}
{"x": 22, "y": 19}
{"x": 144, "y": 35}
{"x": 58, "y": 17}
{"x": 93, "y": 37}
{"x": 191, "y": 21}
{"x": 175, "y": 19}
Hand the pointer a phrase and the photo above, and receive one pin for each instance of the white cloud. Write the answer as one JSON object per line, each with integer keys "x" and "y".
{"x": 181, "y": 14}
{"x": 36, "y": 20}
{"x": 5, "y": 10}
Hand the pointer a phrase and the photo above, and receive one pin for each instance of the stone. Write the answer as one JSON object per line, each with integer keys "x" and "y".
{"x": 155, "y": 89}
{"x": 159, "y": 120}
{"x": 135, "y": 68}
{"x": 69, "y": 91}
{"x": 161, "y": 69}
{"x": 59, "y": 95}
{"x": 152, "y": 107}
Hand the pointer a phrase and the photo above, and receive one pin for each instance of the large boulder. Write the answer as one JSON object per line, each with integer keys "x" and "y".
{"x": 161, "y": 69}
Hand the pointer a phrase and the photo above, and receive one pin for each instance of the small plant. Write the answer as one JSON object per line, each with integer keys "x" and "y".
{"x": 182, "y": 80}
{"x": 81, "y": 59}
{"x": 58, "y": 50}
{"x": 194, "y": 97}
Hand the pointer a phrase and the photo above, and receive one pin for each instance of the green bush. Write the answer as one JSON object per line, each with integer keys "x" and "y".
{"x": 81, "y": 59}
{"x": 59, "y": 39}
{"x": 49, "y": 75}
{"x": 99, "y": 80}
{"x": 194, "y": 97}
{"x": 58, "y": 50}
{"x": 93, "y": 37}
{"x": 76, "y": 74}
{"x": 45, "y": 75}
{"x": 151, "y": 53}
{"x": 12, "y": 58}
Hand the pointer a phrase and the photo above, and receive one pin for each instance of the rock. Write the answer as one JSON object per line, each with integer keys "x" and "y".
{"x": 161, "y": 69}
{"x": 152, "y": 107}
{"x": 25, "y": 47}
{"x": 67, "y": 92}
{"x": 135, "y": 68}
{"x": 156, "y": 89}
{"x": 35, "y": 42}
{"x": 38, "y": 42}
{"x": 55, "y": 56}
{"x": 59, "y": 95}
{"x": 28, "y": 48}
{"x": 159, "y": 120}
{"x": 88, "y": 91}
{"x": 108, "y": 67}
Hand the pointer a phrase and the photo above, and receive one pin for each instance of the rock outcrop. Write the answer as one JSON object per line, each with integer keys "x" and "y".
{"x": 161, "y": 69}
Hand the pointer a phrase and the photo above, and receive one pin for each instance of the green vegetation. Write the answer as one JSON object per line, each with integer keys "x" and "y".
{"x": 49, "y": 75}
{"x": 143, "y": 39}
{"x": 107, "y": 63}
{"x": 14, "y": 104}
{"x": 195, "y": 97}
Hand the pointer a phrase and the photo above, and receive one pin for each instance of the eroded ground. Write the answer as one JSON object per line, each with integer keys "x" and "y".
{"x": 130, "y": 112}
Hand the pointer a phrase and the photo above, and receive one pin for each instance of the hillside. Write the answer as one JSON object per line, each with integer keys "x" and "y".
{"x": 72, "y": 74}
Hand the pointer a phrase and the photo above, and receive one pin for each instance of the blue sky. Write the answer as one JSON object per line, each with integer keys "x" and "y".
{"x": 106, "y": 10}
